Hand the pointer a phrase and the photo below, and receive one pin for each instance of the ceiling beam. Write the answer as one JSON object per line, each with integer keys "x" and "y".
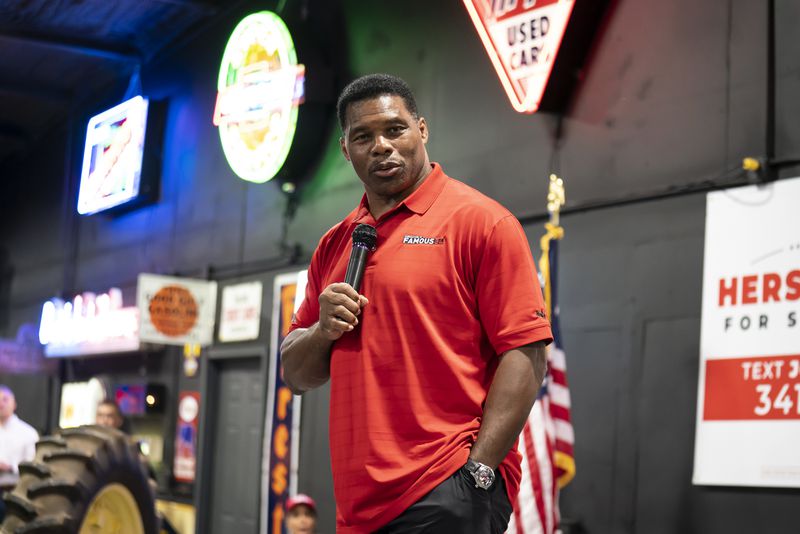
{"x": 84, "y": 47}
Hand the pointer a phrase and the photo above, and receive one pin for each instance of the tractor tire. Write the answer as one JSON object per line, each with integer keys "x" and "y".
{"x": 85, "y": 480}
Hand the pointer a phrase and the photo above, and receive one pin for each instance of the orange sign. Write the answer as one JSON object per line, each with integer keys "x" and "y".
{"x": 173, "y": 310}
{"x": 176, "y": 311}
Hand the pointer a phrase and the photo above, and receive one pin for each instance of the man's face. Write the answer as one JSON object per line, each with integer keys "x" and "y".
{"x": 386, "y": 145}
{"x": 107, "y": 416}
{"x": 8, "y": 404}
{"x": 301, "y": 520}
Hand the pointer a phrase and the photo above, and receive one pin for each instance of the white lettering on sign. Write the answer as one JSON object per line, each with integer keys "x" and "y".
{"x": 90, "y": 324}
{"x": 763, "y": 370}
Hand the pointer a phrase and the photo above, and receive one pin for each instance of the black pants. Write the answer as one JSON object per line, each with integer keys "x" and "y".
{"x": 456, "y": 506}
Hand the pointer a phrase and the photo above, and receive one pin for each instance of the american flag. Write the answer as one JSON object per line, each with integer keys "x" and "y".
{"x": 546, "y": 442}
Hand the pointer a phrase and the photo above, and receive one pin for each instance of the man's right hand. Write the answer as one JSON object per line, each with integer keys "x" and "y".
{"x": 339, "y": 308}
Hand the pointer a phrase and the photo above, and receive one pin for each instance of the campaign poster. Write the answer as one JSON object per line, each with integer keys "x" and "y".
{"x": 748, "y": 404}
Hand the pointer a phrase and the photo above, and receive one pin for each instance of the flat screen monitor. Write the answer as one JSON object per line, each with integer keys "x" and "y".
{"x": 112, "y": 157}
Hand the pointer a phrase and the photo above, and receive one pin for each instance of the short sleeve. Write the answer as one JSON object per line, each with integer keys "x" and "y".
{"x": 308, "y": 313}
{"x": 510, "y": 302}
{"x": 30, "y": 447}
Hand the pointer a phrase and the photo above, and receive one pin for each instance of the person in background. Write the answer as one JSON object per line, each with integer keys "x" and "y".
{"x": 301, "y": 515}
{"x": 17, "y": 443}
{"x": 108, "y": 414}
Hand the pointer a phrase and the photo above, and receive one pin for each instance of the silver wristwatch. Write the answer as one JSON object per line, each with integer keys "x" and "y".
{"x": 483, "y": 474}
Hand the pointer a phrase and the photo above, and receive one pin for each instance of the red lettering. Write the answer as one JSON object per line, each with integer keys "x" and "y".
{"x": 793, "y": 285}
{"x": 749, "y": 292}
{"x": 727, "y": 291}
{"x": 772, "y": 284}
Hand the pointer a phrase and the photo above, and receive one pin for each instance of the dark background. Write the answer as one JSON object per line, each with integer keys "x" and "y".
{"x": 672, "y": 98}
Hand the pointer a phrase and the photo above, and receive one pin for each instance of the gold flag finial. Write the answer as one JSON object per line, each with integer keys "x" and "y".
{"x": 555, "y": 198}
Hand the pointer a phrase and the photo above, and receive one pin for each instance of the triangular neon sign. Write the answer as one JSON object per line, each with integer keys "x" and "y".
{"x": 522, "y": 38}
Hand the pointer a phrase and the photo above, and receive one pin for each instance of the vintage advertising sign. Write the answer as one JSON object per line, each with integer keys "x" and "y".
{"x": 240, "y": 314}
{"x": 260, "y": 87}
{"x": 89, "y": 324}
{"x": 112, "y": 157}
{"x": 748, "y": 406}
{"x": 176, "y": 311}
{"x": 282, "y": 426}
{"x": 522, "y": 38}
{"x": 185, "y": 464}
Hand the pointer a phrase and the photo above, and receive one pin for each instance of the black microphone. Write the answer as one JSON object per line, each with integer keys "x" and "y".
{"x": 364, "y": 238}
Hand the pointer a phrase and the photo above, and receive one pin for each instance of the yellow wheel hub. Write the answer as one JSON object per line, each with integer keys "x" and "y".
{"x": 112, "y": 511}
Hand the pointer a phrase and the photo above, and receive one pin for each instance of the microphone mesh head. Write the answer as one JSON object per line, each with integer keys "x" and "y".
{"x": 365, "y": 235}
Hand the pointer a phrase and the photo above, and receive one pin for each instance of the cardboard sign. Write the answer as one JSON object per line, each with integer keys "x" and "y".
{"x": 240, "y": 314}
{"x": 748, "y": 405}
{"x": 176, "y": 311}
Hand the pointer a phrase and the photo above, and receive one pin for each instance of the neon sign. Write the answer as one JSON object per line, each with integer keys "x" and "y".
{"x": 522, "y": 38}
{"x": 90, "y": 324}
{"x": 112, "y": 157}
{"x": 260, "y": 87}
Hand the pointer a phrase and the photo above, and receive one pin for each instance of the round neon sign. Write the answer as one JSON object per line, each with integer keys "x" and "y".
{"x": 259, "y": 89}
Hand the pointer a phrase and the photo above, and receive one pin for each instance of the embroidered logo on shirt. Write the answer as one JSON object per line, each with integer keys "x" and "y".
{"x": 422, "y": 240}
{"x": 540, "y": 313}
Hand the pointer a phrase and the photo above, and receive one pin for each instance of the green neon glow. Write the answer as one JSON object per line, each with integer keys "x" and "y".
{"x": 256, "y": 108}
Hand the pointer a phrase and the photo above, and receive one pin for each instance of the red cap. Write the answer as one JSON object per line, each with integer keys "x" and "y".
{"x": 300, "y": 498}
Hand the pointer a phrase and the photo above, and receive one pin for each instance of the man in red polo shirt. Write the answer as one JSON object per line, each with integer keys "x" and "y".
{"x": 435, "y": 364}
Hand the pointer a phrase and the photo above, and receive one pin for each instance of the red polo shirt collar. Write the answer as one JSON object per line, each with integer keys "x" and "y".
{"x": 417, "y": 202}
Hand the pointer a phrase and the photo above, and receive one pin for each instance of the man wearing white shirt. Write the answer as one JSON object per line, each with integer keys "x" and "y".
{"x": 17, "y": 442}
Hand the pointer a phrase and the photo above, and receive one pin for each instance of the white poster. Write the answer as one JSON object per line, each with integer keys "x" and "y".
{"x": 79, "y": 401}
{"x": 176, "y": 311}
{"x": 240, "y": 314}
{"x": 748, "y": 405}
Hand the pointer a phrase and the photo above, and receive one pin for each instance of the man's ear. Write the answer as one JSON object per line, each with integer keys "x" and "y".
{"x": 423, "y": 129}
{"x": 344, "y": 148}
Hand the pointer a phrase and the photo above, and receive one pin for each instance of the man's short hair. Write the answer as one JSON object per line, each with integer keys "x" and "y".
{"x": 373, "y": 86}
{"x": 113, "y": 404}
{"x": 5, "y": 389}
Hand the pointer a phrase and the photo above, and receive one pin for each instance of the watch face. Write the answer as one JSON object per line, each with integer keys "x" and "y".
{"x": 484, "y": 477}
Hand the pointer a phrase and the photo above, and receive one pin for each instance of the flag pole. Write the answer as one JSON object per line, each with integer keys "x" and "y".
{"x": 556, "y": 198}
